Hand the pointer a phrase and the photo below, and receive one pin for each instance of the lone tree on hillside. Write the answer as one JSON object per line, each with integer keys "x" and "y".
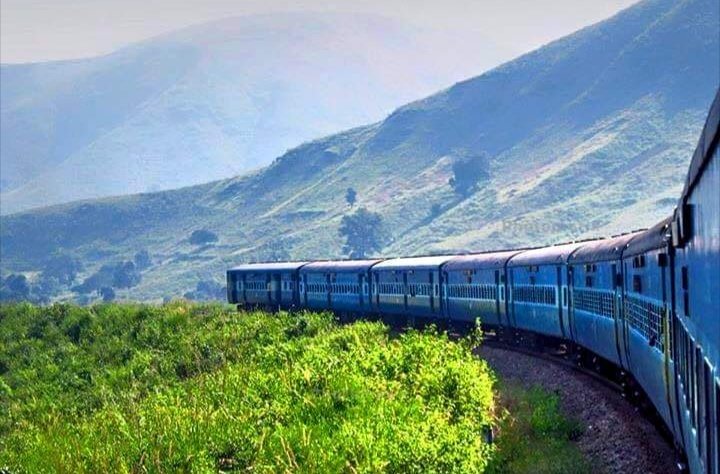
{"x": 362, "y": 231}
{"x": 351, "y": 196}
{"x": 202, "y": 237}
{"x": 468, "y": 171}
{"x": 142, "y": 260}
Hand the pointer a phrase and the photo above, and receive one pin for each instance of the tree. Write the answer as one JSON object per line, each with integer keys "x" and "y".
{"x": 468, "y": 171}
{"x": 142, "y": 260}
{"x": 351, "y": 196}
{"x": 202, "y": 237}
{"x": 15, "y": 288}
{"x": 107, "y": 293}
{"x": 63, "y": 267}
{"x": 207, "y": 290}
{"x": 126, "y": 275}
{"x": 101, "y": 278}
{"x": 362, "y": 232}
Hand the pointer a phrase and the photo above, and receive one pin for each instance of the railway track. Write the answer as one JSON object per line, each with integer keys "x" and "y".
{"x": 612, "y": 378}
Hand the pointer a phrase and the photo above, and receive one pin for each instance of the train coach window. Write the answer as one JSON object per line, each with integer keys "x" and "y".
{"x": 589, "y": 281}
{"x": 707, "y": 396}
{"x": 717, "y": 423}
{"x": 637, "y": 284}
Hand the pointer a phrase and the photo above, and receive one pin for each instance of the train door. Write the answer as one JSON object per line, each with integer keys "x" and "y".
{"x": 509, "y": 303}
{"x": 376, "y": 290}
{"x": 559, "y": 288}
{"x": 502, "y": 297}
{"x": 568, "y": 303}
{"x": 431, "y": 280}
{"x": 618, "y": 311}
{"x": 328, "y": 282}
{"x": 405, "y": 290}
{"x": 624, "y": 344}
{"x": 303, "y": 290}
{"x": 242, "y": 289}
{"x": 361, "y": 289}
{"x": 443, "y": 290}
{"x": 276, "y": 290}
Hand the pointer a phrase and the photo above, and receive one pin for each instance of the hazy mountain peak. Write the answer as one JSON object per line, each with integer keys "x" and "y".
{"x": 211, "y": 101}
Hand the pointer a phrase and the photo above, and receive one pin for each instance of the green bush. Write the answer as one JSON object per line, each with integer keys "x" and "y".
{"x": 118, "y": 388}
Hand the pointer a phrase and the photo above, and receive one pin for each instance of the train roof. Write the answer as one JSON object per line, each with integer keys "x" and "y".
{"x": 602, "y": 250}
{"x": 269, "y": 267}
{"x": 481, "y": 260}
{"x": 417, "y": 263}
{"x": 654, "y": 238}
{"x": 340, "y": 266}
{"x": 707, "y": 143}
{"x": 545, "y": 255}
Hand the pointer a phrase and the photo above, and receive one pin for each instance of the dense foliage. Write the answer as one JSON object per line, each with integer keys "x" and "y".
{"x": 363, "y": 233}
{"x": 117, "y": 388}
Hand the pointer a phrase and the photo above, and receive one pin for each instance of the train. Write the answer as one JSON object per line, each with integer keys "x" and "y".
{"x": 645, "y": 303}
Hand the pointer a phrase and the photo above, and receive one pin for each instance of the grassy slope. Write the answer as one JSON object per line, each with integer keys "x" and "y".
{"x": 127, "y": 387}
{"x": 589, "y": 135}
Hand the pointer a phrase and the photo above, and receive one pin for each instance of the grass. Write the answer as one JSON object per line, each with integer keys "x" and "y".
{"x": 535, "y": 435}
{"x": 201, "y": 388}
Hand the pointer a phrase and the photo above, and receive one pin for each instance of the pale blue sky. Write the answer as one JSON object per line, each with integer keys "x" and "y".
{"x": 38, "y": 30}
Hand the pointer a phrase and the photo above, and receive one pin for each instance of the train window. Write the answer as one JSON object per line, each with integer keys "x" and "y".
{"x": 717, "y": 424}
{"x": 707, "y": 415}
{"x": 589, "y": 281}
{"x": 700, "y": 394}
{"x": 637, "y": 284}
{"x": 662, "y": 260}
{"x": 695, "y": 371}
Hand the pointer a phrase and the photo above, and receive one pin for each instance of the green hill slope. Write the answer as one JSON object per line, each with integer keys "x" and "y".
{"x": 589, "y": 135}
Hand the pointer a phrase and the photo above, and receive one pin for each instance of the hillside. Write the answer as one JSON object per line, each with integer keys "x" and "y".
{"x": 587, "y": 136}
{"x": 212, "y": 101}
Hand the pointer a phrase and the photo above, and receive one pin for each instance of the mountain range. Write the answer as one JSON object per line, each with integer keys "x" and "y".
{"x": 587, "y": 136}
{"x": 212, "y": 101}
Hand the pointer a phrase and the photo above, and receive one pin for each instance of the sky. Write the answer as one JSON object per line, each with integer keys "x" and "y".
{"x": 42, "y": 30}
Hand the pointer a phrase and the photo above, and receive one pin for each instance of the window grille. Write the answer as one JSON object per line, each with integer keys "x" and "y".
{"x": 477, "y": 292}
{"x": 600, "y": 302}
{"x": 647, "y": 318}
{"x": 535, "y": 294}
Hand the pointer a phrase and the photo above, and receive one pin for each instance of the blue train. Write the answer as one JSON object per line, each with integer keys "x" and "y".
{"x": 645, "y": 303}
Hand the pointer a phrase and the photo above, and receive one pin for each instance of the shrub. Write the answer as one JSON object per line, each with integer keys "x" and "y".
{"x": 202, "y": 237}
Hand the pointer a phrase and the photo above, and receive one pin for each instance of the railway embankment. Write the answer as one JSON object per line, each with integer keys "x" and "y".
{"x": 612, "y": 434}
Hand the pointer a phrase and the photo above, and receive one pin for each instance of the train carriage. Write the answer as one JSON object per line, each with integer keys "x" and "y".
{"x": 696, "y": 302}
{"x": 408, "y": 286}
{"x": 646, "y": 339}
{"x": 474, "y": 286}
{"x": 268, "y": 285}
{"x": 337, "y": 285}
{"x": 596, "y": 293}
{"x": 538, "y": 290}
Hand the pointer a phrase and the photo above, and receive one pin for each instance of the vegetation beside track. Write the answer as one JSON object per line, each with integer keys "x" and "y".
{"x": 201, "y": 388}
